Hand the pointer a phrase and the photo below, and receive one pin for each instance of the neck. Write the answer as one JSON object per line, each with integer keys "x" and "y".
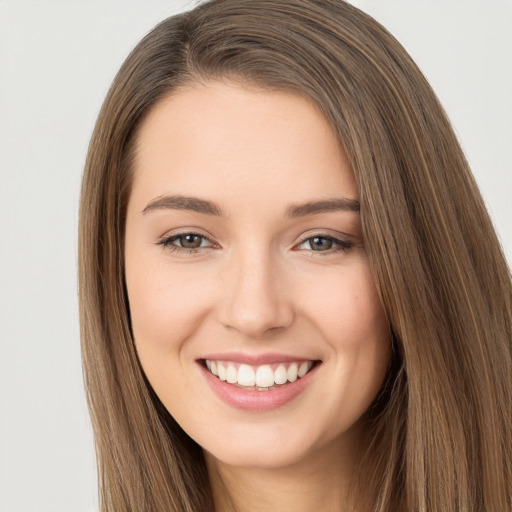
{"x": 322, "y": 481}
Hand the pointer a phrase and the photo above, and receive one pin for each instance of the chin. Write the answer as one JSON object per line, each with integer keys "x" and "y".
{"x": 252, "y": 456}
{"x": 273, "y": 446}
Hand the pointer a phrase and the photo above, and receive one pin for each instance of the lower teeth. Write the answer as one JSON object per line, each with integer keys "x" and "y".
{"x": 257, "y": 388}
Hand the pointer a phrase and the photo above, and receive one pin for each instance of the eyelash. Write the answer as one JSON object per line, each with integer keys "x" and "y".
{"x": 168, "y": 244}
{"x": 339, "y": 244}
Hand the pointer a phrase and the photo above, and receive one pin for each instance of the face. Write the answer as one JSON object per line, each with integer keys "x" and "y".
{"x": 254, "y": 312}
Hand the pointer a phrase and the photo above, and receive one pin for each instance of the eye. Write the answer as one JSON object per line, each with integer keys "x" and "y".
{"x": 189, "y": 241}
{"x": 324, "y": 243}
{"x": 185, "y": 242}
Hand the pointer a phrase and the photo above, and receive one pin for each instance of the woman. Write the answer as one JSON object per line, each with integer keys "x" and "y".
{"x": 292, "y": 296}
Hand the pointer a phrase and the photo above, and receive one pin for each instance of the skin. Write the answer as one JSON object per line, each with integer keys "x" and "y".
{"x": 257, "y": 284}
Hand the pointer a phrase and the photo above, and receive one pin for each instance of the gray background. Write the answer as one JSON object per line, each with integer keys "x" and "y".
{"x": 57, "y": 59}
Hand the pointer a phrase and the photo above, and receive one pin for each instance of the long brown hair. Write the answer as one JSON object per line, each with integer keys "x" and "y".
{"x": 440, "y": 433}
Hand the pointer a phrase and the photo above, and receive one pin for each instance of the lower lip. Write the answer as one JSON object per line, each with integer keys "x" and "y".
{"x": 257, "y": 401}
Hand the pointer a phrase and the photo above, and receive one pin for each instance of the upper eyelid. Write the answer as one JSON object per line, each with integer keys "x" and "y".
{"x": 338, "y": 241}
{"x": 322, "y": 235}
{"x": 187, "y": 231}
{"x": 326, "y": 233}
{"x": 179, "y": 235}
{"x": 169, "y": 238}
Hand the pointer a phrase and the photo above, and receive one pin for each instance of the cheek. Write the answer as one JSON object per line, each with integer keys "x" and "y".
{"x": 348, "y": 310}
{"x": 353, "y": 323}
{"x": 164, "y": 307}
{"x": 164, "y": 312}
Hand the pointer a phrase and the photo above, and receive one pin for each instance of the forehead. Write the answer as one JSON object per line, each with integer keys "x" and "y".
{"x": 227, "y": 142}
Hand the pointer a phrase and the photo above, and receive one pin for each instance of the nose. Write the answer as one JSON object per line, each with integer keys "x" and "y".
{"x": 255, "y": 297}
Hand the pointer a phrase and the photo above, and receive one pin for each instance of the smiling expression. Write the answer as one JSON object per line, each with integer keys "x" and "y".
{"x": 253, "y": 308}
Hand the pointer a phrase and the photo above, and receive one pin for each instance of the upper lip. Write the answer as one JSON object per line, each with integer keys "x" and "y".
{"x": 255, "y": 359}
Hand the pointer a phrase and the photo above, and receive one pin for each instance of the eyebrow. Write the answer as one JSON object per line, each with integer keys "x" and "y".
{"x": 179, "y": 202}
{"x": 195, "y": 204}
{"x": 329, "y": 205}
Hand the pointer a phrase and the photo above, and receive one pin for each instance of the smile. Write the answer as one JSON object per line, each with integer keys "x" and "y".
{"x": 258, "y": 383}
{"x": 260, "y": 378}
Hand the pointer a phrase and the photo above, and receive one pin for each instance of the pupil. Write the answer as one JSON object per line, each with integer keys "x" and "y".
{"x": 191, "y": 241}
{"x": 322, "y": 244}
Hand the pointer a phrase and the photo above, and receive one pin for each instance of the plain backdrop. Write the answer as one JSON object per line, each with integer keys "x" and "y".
{"x": 57, "y": 59}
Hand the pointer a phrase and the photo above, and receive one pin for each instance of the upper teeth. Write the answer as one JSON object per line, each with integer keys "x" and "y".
{"x": 263, "y": 376}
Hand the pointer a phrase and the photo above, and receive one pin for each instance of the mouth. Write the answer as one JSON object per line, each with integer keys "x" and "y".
{"x": 264, "y": 377}
{"x": 259, "y": 383}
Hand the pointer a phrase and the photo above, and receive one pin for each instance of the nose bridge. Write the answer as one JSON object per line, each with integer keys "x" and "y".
{"x": 256, "y": 299}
